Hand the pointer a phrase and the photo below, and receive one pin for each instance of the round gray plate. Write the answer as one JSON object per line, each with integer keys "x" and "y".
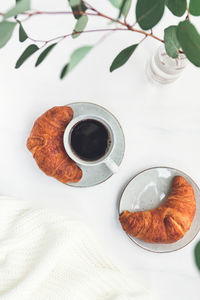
{"x": 97, "y": 174}
{"x": 148, "y": 190}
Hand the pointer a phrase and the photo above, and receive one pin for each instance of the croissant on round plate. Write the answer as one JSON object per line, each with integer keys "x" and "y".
{"x": 167, "y": 223}
{"x": 46, "y": 144}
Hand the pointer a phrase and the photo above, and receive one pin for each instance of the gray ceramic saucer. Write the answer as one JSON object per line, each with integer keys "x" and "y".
{"x": 148, "y": 190}
{"x": 93, "y": 175}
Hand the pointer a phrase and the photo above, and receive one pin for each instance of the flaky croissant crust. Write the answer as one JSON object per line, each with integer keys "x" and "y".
{"x": 46, "y": 144}
{"x": 167, "y": 223}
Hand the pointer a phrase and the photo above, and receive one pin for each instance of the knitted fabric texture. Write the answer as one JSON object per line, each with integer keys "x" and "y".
{"x": 44, "y": 256}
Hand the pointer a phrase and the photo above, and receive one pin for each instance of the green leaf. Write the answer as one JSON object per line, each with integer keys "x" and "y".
{"x": 194, "y": 7}
{"x": 80, "y": 26}
{"x": 171, "y": 43}
{"x": 6, "y": 30}
{"x": 177, "y": 7}
{"x": 197, "y": 255}
{"x": 75, "y": 58}
{"x": 64, "y": 71}
{"x": 44, "y": 54}
{"x": 122, "y": 57}
{"x": 26, "y": 54}
{"x": 125, "y": 7}
{"x": 74, "y": 2}
{"x": 20, "y": 7}
{"x": 78, "y": 10}
{"x": 22, "y": 34}
{"x": 116, "y": 3}
{"x": 189, "y": 40}
{"x": 149, "y": 12}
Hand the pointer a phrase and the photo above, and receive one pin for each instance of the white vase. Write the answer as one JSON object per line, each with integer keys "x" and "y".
{"x": 163, "y": 69}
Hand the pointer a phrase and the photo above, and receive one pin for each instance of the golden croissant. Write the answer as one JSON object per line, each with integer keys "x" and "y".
{"x": 167, "y": 223}
{"x": 46, "y": 144}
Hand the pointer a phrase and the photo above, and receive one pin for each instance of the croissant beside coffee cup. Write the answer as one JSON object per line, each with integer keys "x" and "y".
{"x": 59, "y": 148}
{"x": 46, "y": 144}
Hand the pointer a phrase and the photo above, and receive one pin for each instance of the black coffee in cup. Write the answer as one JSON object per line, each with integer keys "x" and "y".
{"x": 90, "y": 139}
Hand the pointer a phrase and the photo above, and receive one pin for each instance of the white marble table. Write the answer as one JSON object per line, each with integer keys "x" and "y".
{"x": 161, "y": 125}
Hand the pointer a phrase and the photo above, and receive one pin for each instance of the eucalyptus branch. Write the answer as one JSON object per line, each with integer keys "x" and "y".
{"x": 97, "y": 13}
{"x": 177, "y": 38}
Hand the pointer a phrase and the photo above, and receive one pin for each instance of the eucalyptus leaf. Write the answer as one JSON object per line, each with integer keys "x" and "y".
{"x": 122, "y": 57}
{"x": 80, "y": 26}
{"x": 74, "y": 2}
{"x": 22, "y": 34}
{"x": 26, "y": 54}
{"x": 43, "y": 55}
{"x": 189, "y": 39}
{"x": 149, "y": 12}
{"x": 78, "y": 10}
{"x": 75, "y": 58}
{"x": 6, "y": 30}
{"x": 20, "y": 7}
{"x": 177, "y": 7}
{"x": 125, "y": 7}
{"x": 64, "y": 71}
{"x": 197, "y": 255}
{"x": 171, "y": 42}
{"x": 116, "y": 3}
{"x": 194, "y": 7}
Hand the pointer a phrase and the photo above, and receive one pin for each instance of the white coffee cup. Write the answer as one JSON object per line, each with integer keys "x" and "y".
{"x": 105, "y": 159}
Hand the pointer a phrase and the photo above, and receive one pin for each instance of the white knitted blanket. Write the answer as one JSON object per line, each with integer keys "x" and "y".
{"x": 44, "y": 256}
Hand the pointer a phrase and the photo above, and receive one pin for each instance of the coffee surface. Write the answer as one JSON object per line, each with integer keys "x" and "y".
{"x": 89, "y": 139}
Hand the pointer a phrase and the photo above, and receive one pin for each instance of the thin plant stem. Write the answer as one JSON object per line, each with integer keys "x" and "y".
{"x": 60, "y": 38}
{"x": 188, "y": 14}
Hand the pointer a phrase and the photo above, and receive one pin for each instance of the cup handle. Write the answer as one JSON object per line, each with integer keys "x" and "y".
{"x": 111, "y": 165}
